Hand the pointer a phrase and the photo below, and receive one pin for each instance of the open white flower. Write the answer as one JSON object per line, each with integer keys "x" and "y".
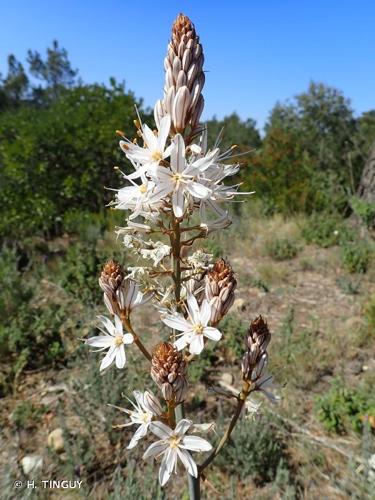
{"x": 138, "y": 197}
{"x": 154, "y": 150}
{"x": 112, "y": 339}
{"x": 146, "y": 407}
{"x": 174, "y": 444}
{"x": 194, "y": 328}
{"x": 179, "y": 180}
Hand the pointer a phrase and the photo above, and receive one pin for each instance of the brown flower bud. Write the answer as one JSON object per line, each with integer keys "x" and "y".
{"x": 121, "y": 294}
{"x": 168, "y": 370}
{"x": 184, "y": 77}
{"x": 219, "y": 289}
{"x": 255, "y": 358}
{"x": 111, "y": 277}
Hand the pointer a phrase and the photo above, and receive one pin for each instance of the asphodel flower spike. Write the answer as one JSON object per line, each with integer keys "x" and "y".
{"x": 184, "y": 77}
{"x": 175, "y": 197}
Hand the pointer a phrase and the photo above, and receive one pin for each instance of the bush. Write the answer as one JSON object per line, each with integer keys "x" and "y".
{"x": 355, "y": 256}
{"x": 255, "y": 450}
{"x": 281, "y": 249}
{"x": 324, "y": 229}
{"x": 343, "y": 408}
{"x": 364, "y": 210}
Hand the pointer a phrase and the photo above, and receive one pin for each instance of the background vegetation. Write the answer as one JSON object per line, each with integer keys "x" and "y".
{"x": 304, "y": 251}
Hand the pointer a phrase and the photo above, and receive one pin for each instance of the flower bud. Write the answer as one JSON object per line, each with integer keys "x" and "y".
{"x": 184, "y": 77}
{"x": 255, "y": 358}
{"x": 111, "y": 277}
{"x": 168, "y": 370}
{"x": 121, "y": 294}
{"x": 219, "y": 289}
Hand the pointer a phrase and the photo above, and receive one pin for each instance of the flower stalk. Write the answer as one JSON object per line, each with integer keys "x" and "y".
{"x": 176, "y": 179}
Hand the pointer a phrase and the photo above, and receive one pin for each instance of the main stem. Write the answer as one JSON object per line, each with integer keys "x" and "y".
{"x": 194, "y": 483}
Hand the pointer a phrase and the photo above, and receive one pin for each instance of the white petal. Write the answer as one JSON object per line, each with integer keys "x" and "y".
{"x": 205, "y": 312}
{"x": 120, "y": 357}
{"x": 127, "y": 338}
{"x": 151, "y": 403}
{"x": 198, "y": 190}
{"x": 165, "y": 125}
{"x": 195, "y": 443}
{"x": 178, "y": 202}
{"x": 178, "y": 154}
{"x": 108, "y": 358}
{"x": 149, "y": 138}
{"x": 212, "y": 333}
{"x": 100, "y": 341}
{"x": 177, "y": 322}
{"x": 196, "y": 344}
{"x": 183, "y": 425}
{"x": 139, "y": 434}
{"x": 118, "y": 325}
{"x": 188, "y": 462}
{"x": 167, "y": 465}
{"x": 193, "y": 308}
{"x": 182, "y": 342}
{"x": 160, "y": 430}
{"x": 155, "y": 449}
{"x": 110, "y": 327}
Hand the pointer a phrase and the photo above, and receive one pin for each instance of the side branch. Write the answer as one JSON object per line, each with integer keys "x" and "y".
{"x": 246, "y": 389}
{"x": 137, "y": 340}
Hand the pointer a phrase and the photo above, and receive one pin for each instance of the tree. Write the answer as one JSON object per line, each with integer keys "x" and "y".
{"x": 235, "y": 131}
{"x": 320, "y": 129}
{"x": 16, "y": 83}
{"x": 55, "y": 71}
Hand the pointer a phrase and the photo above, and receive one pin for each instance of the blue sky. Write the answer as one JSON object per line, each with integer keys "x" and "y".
{"x": 257, "y": 52}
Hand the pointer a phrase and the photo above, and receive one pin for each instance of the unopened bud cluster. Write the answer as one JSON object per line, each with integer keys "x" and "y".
{"x": 184, "y": 78}
{"x": 168, "y": 370}
{"x": 121, "y": 294}
{"x": 219, "y": 288}
{"x": 255, "y": 357}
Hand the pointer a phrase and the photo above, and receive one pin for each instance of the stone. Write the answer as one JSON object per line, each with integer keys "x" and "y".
{"x": 55, "y": 440}
{"x": 31, "y": 464}
{"x": 227, "y": 378}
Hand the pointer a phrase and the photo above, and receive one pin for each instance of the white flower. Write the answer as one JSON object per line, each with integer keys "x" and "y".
{"x": 154, "y": 150}
{"x": 146, "y": 407}
{"x": 179, "y": 179}
{"x": 127, "y": 297}
{"x": 173, "y": 444}
{"x": 138, "y": 198}
{"x": 194, "y": 328}
{"x": 157, "y": 253}
{"x": 113, "y": 340}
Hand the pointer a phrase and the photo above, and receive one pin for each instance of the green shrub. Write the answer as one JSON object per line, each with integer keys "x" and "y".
{"x": 255, "y": 450}
{"x": 34, "y": 338}
{"x": 213, "y": 247}
{"x": 369, "y": 312}
{"x": 355, "y": 256}
{"x": 325, "y": 229}
{"x": 364, "y": 210}
{"x": 26, "y": 414}
{"x": 14, "y": 290}
{"x": 342, "y": 407}
{"x": 282, "y": 249}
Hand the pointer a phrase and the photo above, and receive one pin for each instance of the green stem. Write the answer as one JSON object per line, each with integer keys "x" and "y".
{"x": 194, "y": 483}
{"x": 240, "y": 402}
